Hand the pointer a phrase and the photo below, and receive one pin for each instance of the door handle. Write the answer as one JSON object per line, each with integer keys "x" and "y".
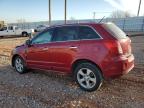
{"x": 73, "y": 47}
{"x": 44, "y": 49}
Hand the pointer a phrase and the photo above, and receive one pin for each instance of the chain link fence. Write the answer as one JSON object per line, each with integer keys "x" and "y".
{"x": 132, "y": 24}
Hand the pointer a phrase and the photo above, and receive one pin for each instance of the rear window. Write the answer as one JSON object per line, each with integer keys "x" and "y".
{"x": 115, "y": 30}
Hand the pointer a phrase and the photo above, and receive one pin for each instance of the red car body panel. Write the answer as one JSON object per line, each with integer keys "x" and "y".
{"x": 60, "y": 56}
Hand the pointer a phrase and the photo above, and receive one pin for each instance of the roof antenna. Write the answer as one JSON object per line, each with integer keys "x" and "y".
{"x": 101, "y": 19}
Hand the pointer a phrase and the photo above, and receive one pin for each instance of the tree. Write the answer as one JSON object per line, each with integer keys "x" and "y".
{"x": 21, "y": 20}
{"x": 72, "y": 18}
{"x": 120, "y": 14}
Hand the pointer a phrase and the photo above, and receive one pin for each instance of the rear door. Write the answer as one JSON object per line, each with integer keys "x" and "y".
{"x": 90, "y": 43}
{"x": 18, "y": 31}
{"x": 11, "y": 31}
{"x": 64, "y": 48}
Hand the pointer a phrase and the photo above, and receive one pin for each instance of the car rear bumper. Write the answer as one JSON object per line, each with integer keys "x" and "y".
{"x": 128, "y": 64}
{"x": 119, "y": 66}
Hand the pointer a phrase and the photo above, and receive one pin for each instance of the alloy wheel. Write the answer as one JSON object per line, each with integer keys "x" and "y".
{"x": 19, "y": 65}
{"x": 86, "y": 78}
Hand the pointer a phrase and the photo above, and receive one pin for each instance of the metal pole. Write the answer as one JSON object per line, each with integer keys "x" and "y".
{"x": 49, "y": 12}
{"x": 139, "y": 8}
{"x": 124, "y": 24}
{"x": 94, "y": 14}
{"x": 65, "y": 11}
{"x": 143, "y": 26}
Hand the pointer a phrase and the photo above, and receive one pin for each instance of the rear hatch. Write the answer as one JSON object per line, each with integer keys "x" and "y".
{"x": 120, "y": 36}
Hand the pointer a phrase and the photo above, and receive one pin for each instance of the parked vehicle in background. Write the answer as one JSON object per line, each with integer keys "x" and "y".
{"x": 41, "y": 28}
{"x": 90, "y": 52}
{"x": 15, "y": 31}
{"x": 2, "y": 23}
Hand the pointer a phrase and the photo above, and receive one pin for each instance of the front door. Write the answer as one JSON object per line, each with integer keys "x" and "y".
{"x": 4, "y": 31}
{"x": 38, "y": 53}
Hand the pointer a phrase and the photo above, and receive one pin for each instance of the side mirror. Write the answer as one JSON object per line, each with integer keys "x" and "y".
{"x": 28, "y": 42}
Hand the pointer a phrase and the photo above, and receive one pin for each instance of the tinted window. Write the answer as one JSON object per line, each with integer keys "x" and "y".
{"x": 5, "y": 28}
{"x": 10, "y": 28}
{"x": 87, "y": 33}
{"x": 40, "y": 26}
{"x": 115, "y": 30}
{"x": 16, "y": 28}
{"x": 44, "y": 37}
{"x": 65, "y": 33}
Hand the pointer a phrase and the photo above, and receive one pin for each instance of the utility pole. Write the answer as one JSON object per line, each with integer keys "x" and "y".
{"x": 65, "y": 11}
{"x": 49, "y": 12}
{"x": 139, "y": 8}
{"x": 94, "y": 16}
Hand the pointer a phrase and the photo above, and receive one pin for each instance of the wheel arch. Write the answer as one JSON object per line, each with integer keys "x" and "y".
{"x": 76, "y": 62}
{"x": 13, "y": 58}
{"x": 24, "y": 32}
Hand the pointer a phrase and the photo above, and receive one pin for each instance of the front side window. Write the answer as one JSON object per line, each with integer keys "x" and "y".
{"x": 87, "y": 33}
{"x": 3, "y": 29}
{"x": 44, "y": 37}
{"x": 66, "y": 33}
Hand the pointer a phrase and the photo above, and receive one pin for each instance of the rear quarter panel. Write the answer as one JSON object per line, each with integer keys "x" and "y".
{"x": 93, "y": 50}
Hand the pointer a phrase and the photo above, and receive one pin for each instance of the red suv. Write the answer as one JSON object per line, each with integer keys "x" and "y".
{"x": 90, "y": 52}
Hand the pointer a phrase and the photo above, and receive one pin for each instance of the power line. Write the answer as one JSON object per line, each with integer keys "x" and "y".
{"x": 102, "y": 12}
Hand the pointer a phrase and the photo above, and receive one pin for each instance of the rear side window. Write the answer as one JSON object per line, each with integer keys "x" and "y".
{"x": 10, "y": 28}
{"x": 66, "y": 33}
{"x": 87, "y": 33}
{"x": 115, "y": 30}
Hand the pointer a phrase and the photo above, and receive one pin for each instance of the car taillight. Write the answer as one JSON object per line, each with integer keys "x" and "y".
{"x": 120, "y": 50}
{"x": 114, "y": 48}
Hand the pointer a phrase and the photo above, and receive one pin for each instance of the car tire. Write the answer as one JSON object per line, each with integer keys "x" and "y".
{"x": 88, "y": 77}
{"x": 24, "y": 34}
{"x": 19, "y": 65}
{"x": 1, "y": 36}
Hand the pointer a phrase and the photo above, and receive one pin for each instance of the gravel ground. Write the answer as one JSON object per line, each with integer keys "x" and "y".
{"x": 41, "y": 89}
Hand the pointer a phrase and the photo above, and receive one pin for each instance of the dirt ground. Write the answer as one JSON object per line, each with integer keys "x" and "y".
{"x": 39, "y": 89}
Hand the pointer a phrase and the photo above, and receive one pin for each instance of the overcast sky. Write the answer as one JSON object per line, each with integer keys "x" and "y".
{"x": 37, "y": 10}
